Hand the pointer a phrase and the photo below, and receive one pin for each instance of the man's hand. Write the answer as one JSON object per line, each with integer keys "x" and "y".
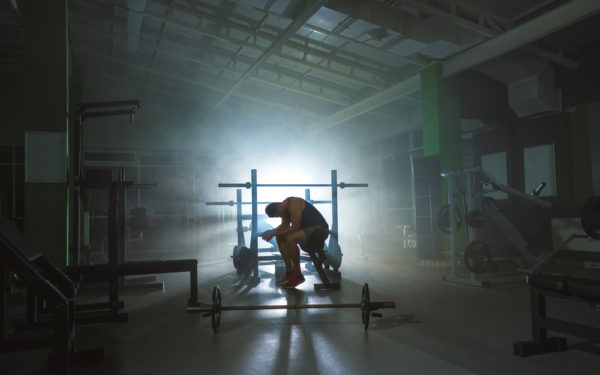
{"x": 268, "y": 235}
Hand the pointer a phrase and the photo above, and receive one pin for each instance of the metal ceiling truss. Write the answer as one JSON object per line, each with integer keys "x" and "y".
{"x": 306, "y": 47}
{"x": 185, "y": 79}
{"x": 535, "y": 29}
{"x": 175, "y": 94}
{"x": 335, "y": 32}
{"x": 476, "y": 20}
{"x": 282, "y": 38}
{"x": 307, "y": 53}
{"x": 344, "y": 94}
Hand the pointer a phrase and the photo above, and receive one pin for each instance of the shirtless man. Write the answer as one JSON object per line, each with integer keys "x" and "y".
{"x": 301, "y": 223}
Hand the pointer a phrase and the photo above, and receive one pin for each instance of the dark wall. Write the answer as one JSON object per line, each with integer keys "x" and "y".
{"x": 581, "y": 86}
{"x": 12, "y": 95}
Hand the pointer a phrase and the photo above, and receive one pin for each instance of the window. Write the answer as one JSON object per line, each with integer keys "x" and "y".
{"x": 540, "y": 167}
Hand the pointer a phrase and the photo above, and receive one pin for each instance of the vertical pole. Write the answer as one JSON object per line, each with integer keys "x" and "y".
{"x": 14, "y": 182}
{"x": 253, "y": 238}
{"x": 3, "y": 284}
{"x": 77, "y": 186}
{"x": 113, "y": 246}
{"x": 451, "y": 207}
{"x": 193, "y": 286}
{"x": 307, "y": 195}
{"x": 334, "y": 203}
{"x": 240, "y": 226}
{"x": 412, "y": 192}
{"x": 60, "y": 357}
{"x": 121, "y": 202}
{"x": 538, "y": 310}
{"x": 139, "y": 177}
{"x": 194, "y": 209}
{"x": 469, "y": 204}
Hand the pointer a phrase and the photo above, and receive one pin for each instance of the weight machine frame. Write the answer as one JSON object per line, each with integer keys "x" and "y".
{"x": 469, "y": 181}
{"x": 578, "y": 290}
{"x": 336, "y": 254}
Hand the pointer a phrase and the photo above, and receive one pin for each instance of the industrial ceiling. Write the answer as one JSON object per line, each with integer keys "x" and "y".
{"x": 324, "y": 65}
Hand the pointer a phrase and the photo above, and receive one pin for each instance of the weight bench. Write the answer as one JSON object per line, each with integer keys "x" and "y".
{"x": 110, "y": 273}
{"x": 116, "y": 267}
{"x": 43, "y": 279}
{"x": 580, "y": 290}
{"x": 315, "y": 250}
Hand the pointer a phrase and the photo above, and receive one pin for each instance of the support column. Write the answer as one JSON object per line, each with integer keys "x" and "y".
{"x": 45, "y": 108}
{"x": 440, "y": 102}
{"x": 581, "y": 162}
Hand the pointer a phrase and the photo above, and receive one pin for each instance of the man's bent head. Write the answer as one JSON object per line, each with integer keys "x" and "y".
{"x": 272, "y": 209}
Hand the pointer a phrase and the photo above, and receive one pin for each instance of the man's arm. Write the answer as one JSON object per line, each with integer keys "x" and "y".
{"x": 295, "y": 208}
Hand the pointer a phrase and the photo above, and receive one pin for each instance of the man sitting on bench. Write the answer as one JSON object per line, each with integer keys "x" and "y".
{"x": 301, "y": 224}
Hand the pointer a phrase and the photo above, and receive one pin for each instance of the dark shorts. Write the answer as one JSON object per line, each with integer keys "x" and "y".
{"x": 315, "y": 237}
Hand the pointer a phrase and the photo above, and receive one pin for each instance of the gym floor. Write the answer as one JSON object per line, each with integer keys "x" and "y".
{"x": 436, "y": 328}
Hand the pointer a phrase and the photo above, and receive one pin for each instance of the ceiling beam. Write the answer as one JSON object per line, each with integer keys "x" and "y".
{"x": 289, "y": 51}
{"x": 186, "y": 80}
{"x": 378, "y": 13}
{"x": 350, "y": 65}
{"x": 537, "y": 28}
{"x": 135, "y": 12}
{"x": 172, "y": 93}
{"x": 279, "y": 71}
{"x": 292, "y": 29}
{"x": 386, "y": 96}
{"x": 331, "y": 33}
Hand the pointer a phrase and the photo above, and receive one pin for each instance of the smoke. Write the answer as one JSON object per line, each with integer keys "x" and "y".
{"x": 188, "y": 153}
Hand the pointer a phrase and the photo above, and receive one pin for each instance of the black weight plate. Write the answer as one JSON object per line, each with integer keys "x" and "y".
{"x": 475, "y": 219}
{"x": 245, "y": 260}
{"x": 443, "y": 218}
{"x": 478, "y": 257}
{"x": 590, "y": 217}
{"x": 216, "y": 306}
{"x": 365, "y": 307}
{"x": 236, "y": 256}
{"x": 334, "y": 254}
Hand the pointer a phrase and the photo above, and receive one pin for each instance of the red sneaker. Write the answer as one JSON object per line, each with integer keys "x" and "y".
{"x": 294, "y": 281}
{"x": 284, "y": 279}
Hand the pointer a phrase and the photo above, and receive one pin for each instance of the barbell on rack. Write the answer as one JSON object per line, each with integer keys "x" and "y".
{"x": 366, "y": 306}
{"x": 248, "y": 185}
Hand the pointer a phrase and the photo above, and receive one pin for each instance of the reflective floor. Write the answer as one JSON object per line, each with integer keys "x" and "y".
{"x": 436, "y": 328}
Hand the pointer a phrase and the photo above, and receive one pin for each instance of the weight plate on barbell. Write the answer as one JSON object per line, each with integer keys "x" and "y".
{"x": 443, "y": 218}
{"x": 242, "y": 259}
{"x": 236, "y": 256}
{"x": 475, "y": 219}
{"x": 365, "y": 303}
{"x": 216, "y": 308}
{"x": 334, "y": 254}
{"x": 590, "y": 217}
{"x": 478, "y": 257}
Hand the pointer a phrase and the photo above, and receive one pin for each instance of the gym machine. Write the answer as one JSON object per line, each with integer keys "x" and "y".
{"x": 576, "y": 284}
{"x": 473, "y": 184}
{"x": 242, "y": 255}
{"x": 117, "y": 267}
{"x": 43, "y": 281}
{"x": 326, "y": 264}
{"x": 84, "y": 111}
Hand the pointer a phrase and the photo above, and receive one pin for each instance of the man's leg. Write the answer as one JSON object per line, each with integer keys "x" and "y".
{"x": 293, "y": 250}
{"x": 284, "y": 251}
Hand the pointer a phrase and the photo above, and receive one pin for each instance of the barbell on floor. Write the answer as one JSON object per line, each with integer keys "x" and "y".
{"x": 366, "y": 306}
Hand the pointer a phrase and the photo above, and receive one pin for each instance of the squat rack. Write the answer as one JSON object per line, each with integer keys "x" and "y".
{"x": 334, "y": 255}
